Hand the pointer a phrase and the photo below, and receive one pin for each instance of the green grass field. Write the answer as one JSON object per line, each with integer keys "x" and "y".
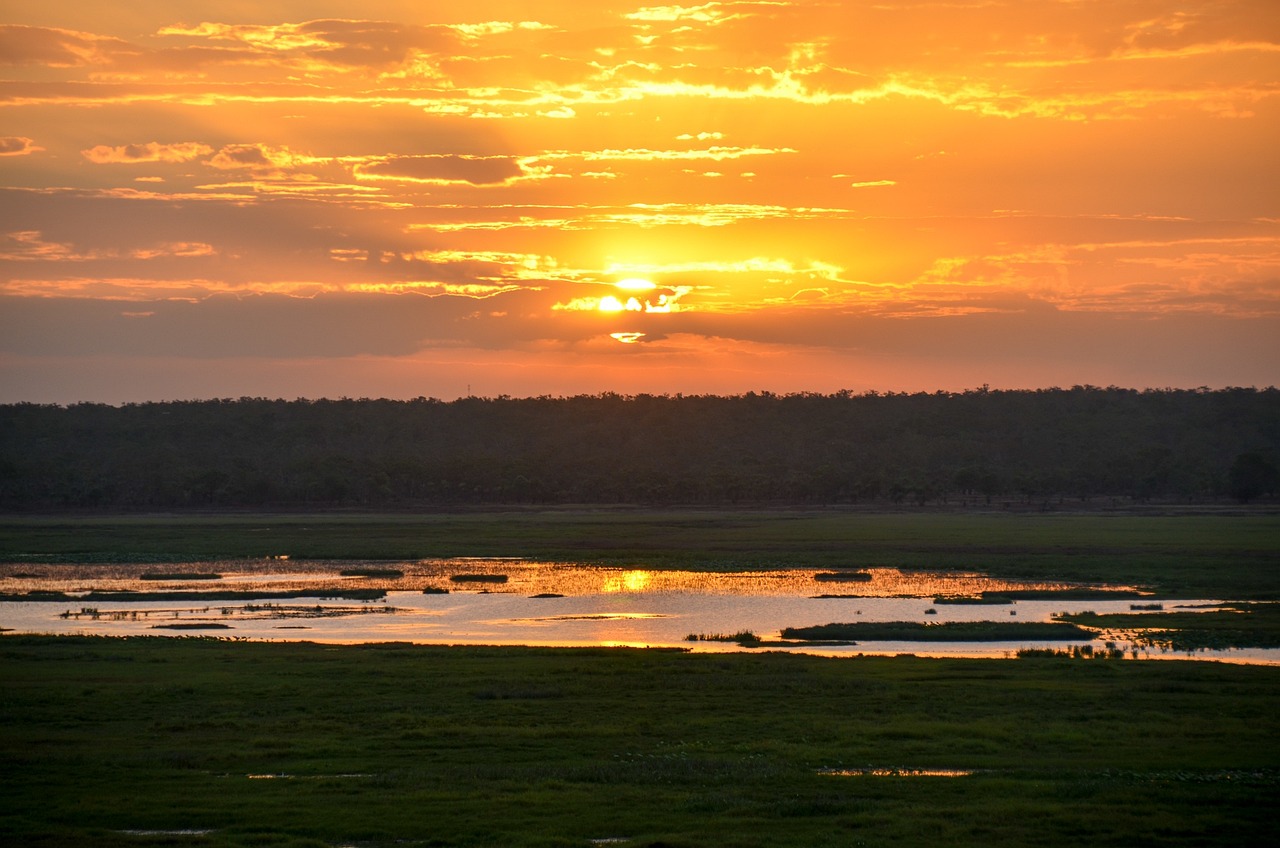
{"x": 1233, "y": 556}
{"x": 381, "y": 745}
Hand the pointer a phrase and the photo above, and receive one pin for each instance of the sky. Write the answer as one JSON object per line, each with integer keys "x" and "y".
{"x": 397, "y": 198}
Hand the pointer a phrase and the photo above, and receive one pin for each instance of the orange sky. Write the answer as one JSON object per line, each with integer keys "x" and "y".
{"x": 386, "y": 198}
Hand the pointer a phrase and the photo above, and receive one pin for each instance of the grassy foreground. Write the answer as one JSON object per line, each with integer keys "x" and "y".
{"x": 1189, "y": 555}
{"x": 308, "y": 745}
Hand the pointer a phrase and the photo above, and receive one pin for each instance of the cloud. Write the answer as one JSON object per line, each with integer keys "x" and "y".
{"x": 258, "y": 157}
{"x": 443, "y": 168}
{"x": 184, "y": 151}
{"x": 58, "y": 48}
{"x": 17, "y": 145}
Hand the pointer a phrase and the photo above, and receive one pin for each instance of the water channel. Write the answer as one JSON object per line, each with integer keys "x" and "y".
{"x": 518, "y": 602}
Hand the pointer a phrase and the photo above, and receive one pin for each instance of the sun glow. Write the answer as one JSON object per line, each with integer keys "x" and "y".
{"x": 636, "y": 284}
{"x": 637, "y": 294}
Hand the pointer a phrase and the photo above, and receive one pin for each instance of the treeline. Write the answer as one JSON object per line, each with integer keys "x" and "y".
{"x": 973, "y": 447}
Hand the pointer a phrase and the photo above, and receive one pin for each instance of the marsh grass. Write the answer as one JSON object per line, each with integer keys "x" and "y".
{"x": 745, "y": 638}
{"x": 1240, "y": 625}
{"x": 179, "y": 575}
{"x": 384, "y": 573}
{"x": 530, "y": 747}
{"x": 1186, "y": 554}
{"x": 948, "y": 631}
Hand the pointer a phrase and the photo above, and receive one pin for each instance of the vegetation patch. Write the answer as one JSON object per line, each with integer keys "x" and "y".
{"x": 1237, "y": 625}
{"x": 386, "y": 573}
{"x": 130, "y": 596}
{"x": 745, "y": 638}
{"x": 950, "y": 631}
{"x": 479, "y": 578}
{"x": 984, "y": 599}
{"x": 179, "y": 575}
{"x": 844, "y": 576}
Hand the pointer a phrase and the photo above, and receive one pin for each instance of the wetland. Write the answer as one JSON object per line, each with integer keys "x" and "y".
{"x": 219, "y": 681}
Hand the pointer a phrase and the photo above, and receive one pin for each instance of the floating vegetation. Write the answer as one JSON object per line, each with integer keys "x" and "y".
{"x": 180, "y": 575}
{"x": 1077, "y": 593}
{"x": 192, "y": 625}
{"x": 949, "y": 631}
{"x": 844, "y": 576}
{"x": 896, "y": 772}
{"x": 983, "y": 599}
{"x": 385, "y": 573}
{"x": 35, "y": 595}
{"x": 435, "y": 590}
{"x": 547, "y": 595}
{"x": 931, "y": 611}
{"x": 1241, "y": 625}
{"x": 246, "y": 611}
{"x": 1147, "y": 607}
{"x": 479, "y": 578}
{"x": 745, "y": 638}
{"x": 127, "y": 596}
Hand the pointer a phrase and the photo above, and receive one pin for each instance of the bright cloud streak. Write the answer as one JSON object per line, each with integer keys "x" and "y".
{"x": 780, "y": 189}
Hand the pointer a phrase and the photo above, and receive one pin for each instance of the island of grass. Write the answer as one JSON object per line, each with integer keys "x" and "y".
{"x": 384, "y": 573}
{"x": 479, "y": 578}
{"x": 128, "y": 596}
{"x": 1068, "y": 593}
{"x": 950, "y": 631}
{"x": 180, "y": 575}
{"x": 1239, "y": 625}
{"x": 843, "y": 576}
{"x": 745, "y": 638}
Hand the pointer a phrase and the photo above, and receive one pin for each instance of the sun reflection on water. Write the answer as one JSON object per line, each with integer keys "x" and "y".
{"x": 627, "y": 581}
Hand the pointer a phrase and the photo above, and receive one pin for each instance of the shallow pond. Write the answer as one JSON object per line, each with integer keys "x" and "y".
{"x": 517, "y": 602}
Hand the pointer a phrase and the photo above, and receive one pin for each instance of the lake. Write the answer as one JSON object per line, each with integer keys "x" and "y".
{"x": 518, "y": 602}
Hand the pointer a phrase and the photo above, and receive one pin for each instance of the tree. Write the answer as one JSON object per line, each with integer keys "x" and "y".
{"x": 1252, "y": 476}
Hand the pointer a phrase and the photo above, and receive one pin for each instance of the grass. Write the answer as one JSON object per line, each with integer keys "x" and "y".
{"x": 129, "y": 596}
{"x": 378, "y": 745}
{"x": 382, "y": 573}
{"x": 745, "y": 638}
{"x": 1237, "y": 626}
{"x": 951, "y": 631}
{"x": 1180, "y": 555}
{"x": 180, "y": 575}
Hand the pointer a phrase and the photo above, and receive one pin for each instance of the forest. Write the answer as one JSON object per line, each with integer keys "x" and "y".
{"x": 982, "y": 448}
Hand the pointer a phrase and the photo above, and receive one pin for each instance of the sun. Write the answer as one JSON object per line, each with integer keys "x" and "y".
{"x": 635, "y": 295}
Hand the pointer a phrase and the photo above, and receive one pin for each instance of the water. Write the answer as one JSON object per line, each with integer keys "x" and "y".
{"x": 582, "y": 605}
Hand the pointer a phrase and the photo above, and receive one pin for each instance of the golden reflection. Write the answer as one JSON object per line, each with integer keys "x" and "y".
{"x": 628, "y": 581}
{"x": 279, "y": 574}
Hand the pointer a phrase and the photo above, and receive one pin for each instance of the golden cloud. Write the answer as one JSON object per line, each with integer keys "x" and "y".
{"x": 443, "y": 169}
{"x": 17, "y": 145}
{"x": 150, "y": 152}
